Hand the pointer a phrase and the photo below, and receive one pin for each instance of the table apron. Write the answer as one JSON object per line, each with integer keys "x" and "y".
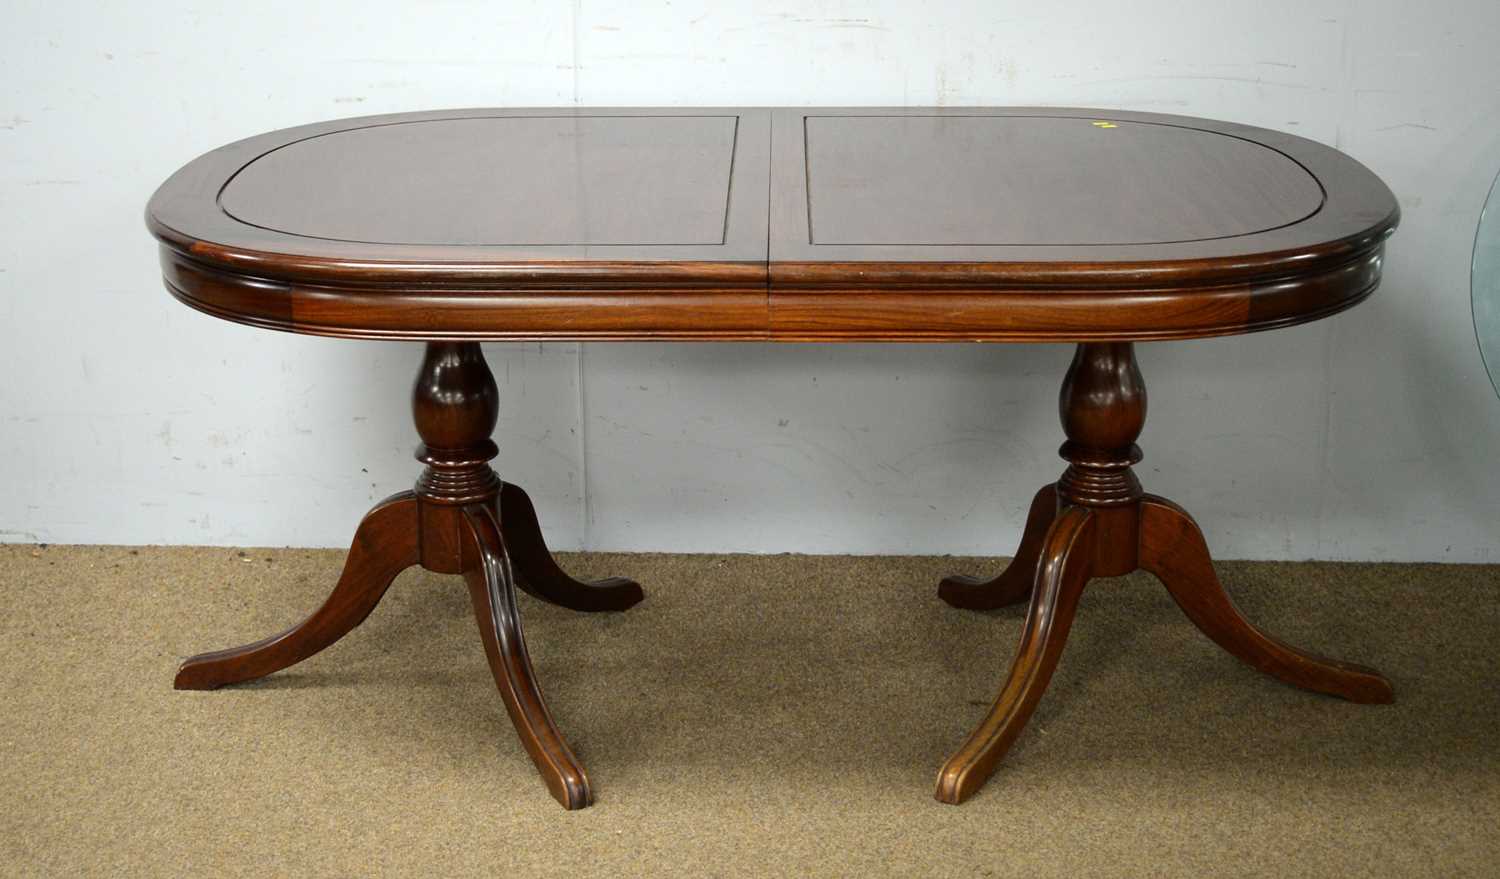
{"x": 776, "y": 313}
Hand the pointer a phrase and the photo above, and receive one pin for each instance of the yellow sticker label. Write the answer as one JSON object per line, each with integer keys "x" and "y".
{"x": 1102, "y": 124}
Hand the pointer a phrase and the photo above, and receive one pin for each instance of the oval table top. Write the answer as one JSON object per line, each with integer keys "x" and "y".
{"x": 946, "y": 224}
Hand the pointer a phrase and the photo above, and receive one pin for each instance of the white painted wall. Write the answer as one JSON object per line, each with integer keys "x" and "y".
{"x": 127, "y": 418}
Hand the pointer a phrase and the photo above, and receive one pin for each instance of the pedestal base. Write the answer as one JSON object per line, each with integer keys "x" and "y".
{"x": 1096, "y": 522}
{"x": 460, "y": 520}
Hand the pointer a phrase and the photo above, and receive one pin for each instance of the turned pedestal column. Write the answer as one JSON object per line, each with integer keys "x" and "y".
{"x": 459, "y": 519}
{"x": 1095, "y": 521}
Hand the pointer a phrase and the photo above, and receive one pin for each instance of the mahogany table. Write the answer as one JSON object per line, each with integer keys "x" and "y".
{"x": 1100, "y": 228}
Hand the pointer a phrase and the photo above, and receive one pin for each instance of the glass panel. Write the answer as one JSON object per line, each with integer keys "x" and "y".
{"x": 1484, "y": 284}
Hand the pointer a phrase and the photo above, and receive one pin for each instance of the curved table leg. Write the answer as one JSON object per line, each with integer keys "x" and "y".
{"x": 1012, "y": 585}
{"x": 537, "y": 572}
{"x": 384, "y": 546}
{"x": 1172, "y": 547}
{"x": 1066, "y": 564}
{"x": 487, "y": 569}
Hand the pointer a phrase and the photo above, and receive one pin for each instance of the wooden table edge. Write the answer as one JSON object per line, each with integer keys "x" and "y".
{"x": 765, "y": 302}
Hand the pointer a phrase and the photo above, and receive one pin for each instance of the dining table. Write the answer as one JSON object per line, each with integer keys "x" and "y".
{"x": 956, "y": 225}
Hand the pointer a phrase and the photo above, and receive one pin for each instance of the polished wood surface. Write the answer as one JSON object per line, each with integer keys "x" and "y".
{"x": 486, "y": 567}
{"x": 1173, "y": 548}
{"x": 384, "y": 545}
{"x": 1012, "y": 585}
{"x": 960, "y": 224}
{"x": 1002, "y": 276}
{"x": 1169, "y": 199}
{"x": 1065, "y": 566}
{"x": 498, "y": 181}
{"x": 791, "y": 224}
{"x": 460, "y": 519}
{"x": 1043, "y": 181}
{"x": 1099, "y": 523}
{"x": 537, "y": 572}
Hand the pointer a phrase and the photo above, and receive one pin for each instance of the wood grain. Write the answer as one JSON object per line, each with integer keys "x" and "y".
{"x": 1012, "y": 585}
{"x": 385, "y": 544}
{"x": 459, "y": 519}
{"x": 537, "y": 572}
{"x": 1052, "y": 181}
{"x": 970, "y": 224}
{"x": 487, "y": 570}
{"x": 974, "y": 224}
{"x": 1173, "y": 548}
{"x": 1097, "y": 522}
{"x": 1065, "y": 568}
{"x": 499, "y": 181}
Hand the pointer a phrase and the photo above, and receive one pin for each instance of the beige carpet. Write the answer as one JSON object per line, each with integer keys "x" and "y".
{"x": 755, "y": 716}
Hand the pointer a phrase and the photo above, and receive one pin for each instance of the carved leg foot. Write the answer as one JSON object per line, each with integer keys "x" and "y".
{"x": 384, "y": 546}
{"x": 1066, "y": 564}
{"x": 1172, "y": 548}
{"x": 1013, "y": 584}
{"x": 487, "y": 568}
{"x": 537, "y": 572}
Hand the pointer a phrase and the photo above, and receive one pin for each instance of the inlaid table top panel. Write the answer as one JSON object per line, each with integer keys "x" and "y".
{"x": 796, "y": 224}
{"x": 1068, "y": 181}
{"x": 500, "y": 181}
